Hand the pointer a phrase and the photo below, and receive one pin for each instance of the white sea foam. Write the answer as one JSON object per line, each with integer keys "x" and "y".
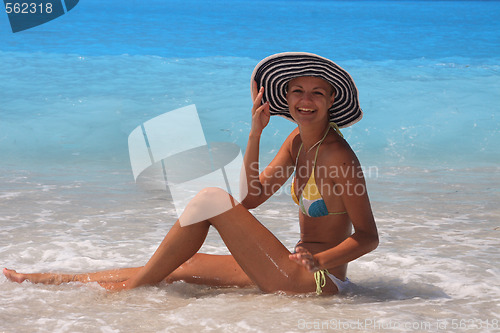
{"x": 432, "y": 263}
{"x": 9, "y": 195}
{"x": 431, "y": 268}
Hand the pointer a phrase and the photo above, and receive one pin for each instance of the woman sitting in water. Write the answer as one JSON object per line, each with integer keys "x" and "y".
{"x": 328, "y": 186}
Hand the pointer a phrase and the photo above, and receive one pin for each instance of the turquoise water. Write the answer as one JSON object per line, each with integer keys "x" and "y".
{"x": 427, "y": 72}
{"x": 72, "y": 90}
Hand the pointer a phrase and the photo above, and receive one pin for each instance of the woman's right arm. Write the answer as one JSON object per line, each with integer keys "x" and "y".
{"x": 260, "y": 186}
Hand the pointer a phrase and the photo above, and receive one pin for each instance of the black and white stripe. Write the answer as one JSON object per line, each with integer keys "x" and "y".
{"x": 274, "y": 73}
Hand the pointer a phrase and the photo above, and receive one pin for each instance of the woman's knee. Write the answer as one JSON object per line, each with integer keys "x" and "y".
{"x": 208, "y": 203}
{"x": 216, "y": 199}
{"x": 212, "y": 193}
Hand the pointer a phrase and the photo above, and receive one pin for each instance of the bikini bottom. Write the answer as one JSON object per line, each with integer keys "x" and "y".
{"x": 319, "y": 277}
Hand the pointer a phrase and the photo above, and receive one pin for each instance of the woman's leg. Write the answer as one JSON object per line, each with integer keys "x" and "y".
{"x": 257, "y": 256}
{"x": 256, "y": 250}
{"x": 113, "y": 275}
{"x": 213, "y": 270}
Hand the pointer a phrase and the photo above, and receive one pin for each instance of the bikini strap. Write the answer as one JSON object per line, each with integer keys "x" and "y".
{"x": 332, "y": 125}
{"x": 298, "y": 153}
{"x": 319, "y": 144}
{"x": 319, "y": 278}
{"x": 336, "y": 128}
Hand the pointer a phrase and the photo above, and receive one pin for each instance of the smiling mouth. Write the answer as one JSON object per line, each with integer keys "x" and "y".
{"x": 305, "y": 111}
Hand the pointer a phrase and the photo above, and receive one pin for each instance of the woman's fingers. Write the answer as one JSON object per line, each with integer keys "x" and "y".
{"x": 257, "y": 101}
{"x": 264, "y": 108}
{"x": 301, "y": 250}
{"x": 305, "y": 258}
{"x": 260, "y": 112}
{"x": 301, "y": 260}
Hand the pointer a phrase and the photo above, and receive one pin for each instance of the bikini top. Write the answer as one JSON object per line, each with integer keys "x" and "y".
{"x": 311, "y": 202}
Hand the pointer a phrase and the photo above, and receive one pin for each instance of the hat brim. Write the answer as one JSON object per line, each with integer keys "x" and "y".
{"x": 275, "y": 71}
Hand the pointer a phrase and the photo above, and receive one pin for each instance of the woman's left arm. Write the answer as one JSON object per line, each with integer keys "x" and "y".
{"x": 365, "y": 239}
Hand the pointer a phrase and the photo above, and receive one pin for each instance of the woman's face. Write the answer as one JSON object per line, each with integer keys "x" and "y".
{"x": 309, "y": 99}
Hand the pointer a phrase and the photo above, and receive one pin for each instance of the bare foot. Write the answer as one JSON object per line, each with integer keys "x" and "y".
{"x": 13, "y": 275}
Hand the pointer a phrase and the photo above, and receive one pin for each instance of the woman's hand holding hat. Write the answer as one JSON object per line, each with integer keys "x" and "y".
{"x": 260, "y": 112}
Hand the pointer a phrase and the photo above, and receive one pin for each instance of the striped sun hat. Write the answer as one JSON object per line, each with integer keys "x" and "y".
{"x": 275, "y": 71}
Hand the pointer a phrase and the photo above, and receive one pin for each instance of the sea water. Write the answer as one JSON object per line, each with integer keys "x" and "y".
{"x": 72, "y": 90}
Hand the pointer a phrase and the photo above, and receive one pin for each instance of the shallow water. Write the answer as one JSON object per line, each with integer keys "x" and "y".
{"x": 73, "y": 89}
{"x": 435, "y": 265}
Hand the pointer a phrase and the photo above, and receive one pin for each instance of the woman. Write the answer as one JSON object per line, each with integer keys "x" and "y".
{"x": 328, "y": 187}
